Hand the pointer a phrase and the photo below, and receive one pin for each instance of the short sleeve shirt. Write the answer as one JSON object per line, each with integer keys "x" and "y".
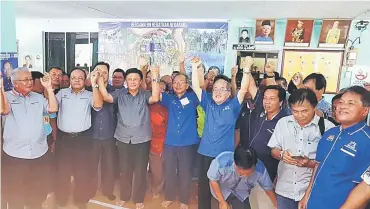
{"x": 133, "y": 117}
{"x": 182, "y": 126}
{"x": 24, "y": 126}
{"x": 343, "y": 156}
{"x": 219, "y": 125}
{"x": 222, "y": 170}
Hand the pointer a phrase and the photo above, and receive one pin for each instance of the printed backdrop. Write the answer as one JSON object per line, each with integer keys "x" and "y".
{"x": 122, "y": 43}
{"x": 9, "y": 61}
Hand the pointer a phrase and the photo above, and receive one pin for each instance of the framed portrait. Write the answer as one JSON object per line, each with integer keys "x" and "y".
{"x": 28, "y": 61}
{"x": 245, "y": 35}
{"x": 265, "y": 32}
{"x": 298, "y": 33}
{"x": 334, "y": 33}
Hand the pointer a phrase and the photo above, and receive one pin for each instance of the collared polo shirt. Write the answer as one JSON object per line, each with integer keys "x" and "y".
{"x": 256, "y": 131}
{"x": 133, "y": 125}
{"x": 74, "y": 114}
{"x": 24, "y": 126}
{"x": 293, "y": 181}
{"x": 343, "y": 156}
{"x": 182, "y": 125}
{"x": 219, "y": 125}
{"x": 223, "y": 171}
{"x": 104, "y": 122}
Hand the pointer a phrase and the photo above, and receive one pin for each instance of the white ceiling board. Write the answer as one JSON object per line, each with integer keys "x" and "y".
{"x": 191, "y": 9}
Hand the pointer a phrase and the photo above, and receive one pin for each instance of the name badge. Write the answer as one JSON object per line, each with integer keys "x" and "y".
{"x": 46, "y": 119}
{"x": 184, "y": 101}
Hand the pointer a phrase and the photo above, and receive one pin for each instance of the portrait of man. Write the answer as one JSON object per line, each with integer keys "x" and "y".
{"x": 334, "y": 33}
{"x": 298, "y": 32}
{"x": 265, "y": 30}
{"x": 27, "y": 62}
{"x": 244, "y": 35}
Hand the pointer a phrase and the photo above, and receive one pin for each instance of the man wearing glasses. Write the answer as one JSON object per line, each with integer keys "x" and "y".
{"x": 25, "y": 158}
{"x": 221, "y": 114}
{"x": 74, "y": 145}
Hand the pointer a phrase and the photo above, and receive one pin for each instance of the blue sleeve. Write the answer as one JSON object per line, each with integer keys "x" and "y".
{"x": 236, "y": 106}
{"x": 205, "y": 100}
{"x": 166, "y": 100}
{"x": 264, "y": 180}
{"x": 52, "y": 115}
{"x": 194, "y": 98}
{"x": 213, "y": 171}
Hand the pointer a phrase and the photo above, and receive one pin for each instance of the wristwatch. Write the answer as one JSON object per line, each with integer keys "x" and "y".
{"x": 96, "y": 86}
{"x": 270, "y": 76}
{"x": 281, "y": 154}
{"x": 156, "y": 80}
{"x": 246, "y": 71}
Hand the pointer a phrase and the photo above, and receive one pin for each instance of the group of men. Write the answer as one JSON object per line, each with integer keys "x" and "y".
{"x": 256, "y": 146}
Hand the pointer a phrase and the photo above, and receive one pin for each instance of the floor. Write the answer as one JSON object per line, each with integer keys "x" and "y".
{"x": 101, "y": 202}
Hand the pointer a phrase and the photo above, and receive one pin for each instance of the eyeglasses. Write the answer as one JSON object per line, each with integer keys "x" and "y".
{"x": 220, "y": 90}
{"x": 26, "y": 80}
{"x": 180, "y": 83}
{"x": 77, "y": 79}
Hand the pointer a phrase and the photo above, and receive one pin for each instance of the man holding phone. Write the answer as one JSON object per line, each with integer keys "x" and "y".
{"x": 294, "y": 143}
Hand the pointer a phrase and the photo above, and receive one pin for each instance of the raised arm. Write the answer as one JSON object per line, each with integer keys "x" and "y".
{"x": 195, "y": 62}
{"x": 246, "y": 64}
{"x": 358, "y": 197}
{"x": 297, "y": 80}
{"x": 270, "y": 69}
{"x": 234, "y": 87}
{"x": 143, "y": 67}
{"x": 95, "y": 78}
{"x": 155, "y": 85}
{"x": 104, "y": 93}
{"x": 182, "y": 63}
{"x": 4, "y": 106}
{"x": 53, "y": 103}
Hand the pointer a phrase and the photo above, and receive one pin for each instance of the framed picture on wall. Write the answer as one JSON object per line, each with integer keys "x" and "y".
{"x": 265, "y": 32}
{"x": 245, "y": 35}
{"x": 334, "y": 33}
{"x": 298, "y": 33}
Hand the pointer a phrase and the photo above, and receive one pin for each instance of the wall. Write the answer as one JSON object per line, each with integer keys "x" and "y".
{"x": 7, "y": 23}
{"x": 29, "y": 34}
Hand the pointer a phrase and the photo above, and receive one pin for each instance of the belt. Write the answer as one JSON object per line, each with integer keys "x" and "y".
{"x": 76, "y": 134}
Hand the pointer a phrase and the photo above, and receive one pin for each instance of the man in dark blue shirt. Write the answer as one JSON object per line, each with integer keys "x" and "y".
{"x": 342, "y": 154}
{"x": 103, "y": 125}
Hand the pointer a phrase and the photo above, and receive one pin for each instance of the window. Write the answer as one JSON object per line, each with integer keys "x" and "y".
{"x": 71, "y": 49}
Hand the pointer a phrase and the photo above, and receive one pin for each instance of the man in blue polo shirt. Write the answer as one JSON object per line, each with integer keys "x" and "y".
{"x": 233, "y": 175}
{"x": 342, "y": 154}
{"x": 221, "y": 114}
{"x": 181, "y": 137}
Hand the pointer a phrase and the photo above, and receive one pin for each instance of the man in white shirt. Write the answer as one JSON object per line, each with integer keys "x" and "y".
{"x": 294, "y": 143}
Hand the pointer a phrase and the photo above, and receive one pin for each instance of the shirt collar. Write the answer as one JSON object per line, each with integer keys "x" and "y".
{"x": 314, "y": 121}
{"x": 354, "y": 129}
{"x": 16, "y": 93}
{"x": 80, "y": 92}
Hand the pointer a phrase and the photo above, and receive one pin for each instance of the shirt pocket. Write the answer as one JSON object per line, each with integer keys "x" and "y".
{"x": 345, "y": 159}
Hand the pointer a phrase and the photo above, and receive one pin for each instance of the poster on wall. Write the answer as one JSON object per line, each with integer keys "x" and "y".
{"x": 298, "y": 33}
{"x": 360, "y": 75}
{"x": 28, "y": 61}
{"x": 245, "y": 35}
{"x": 327, "y": 63}
{"x": 122, "y": 43}
{"x": 9, "y": 61}
{"x": 265, "y": 32}
{"x": 334, "y": 33}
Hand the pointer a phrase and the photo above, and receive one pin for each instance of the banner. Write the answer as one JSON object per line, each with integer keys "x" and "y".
{"x": 122, "y": 43}
{"x": 9, "y": 61}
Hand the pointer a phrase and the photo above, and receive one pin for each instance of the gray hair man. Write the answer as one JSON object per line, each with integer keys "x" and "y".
{"x": 25, "y": 147}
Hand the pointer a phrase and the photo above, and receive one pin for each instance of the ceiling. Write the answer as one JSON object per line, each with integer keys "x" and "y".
{"x": 192, "y": 9}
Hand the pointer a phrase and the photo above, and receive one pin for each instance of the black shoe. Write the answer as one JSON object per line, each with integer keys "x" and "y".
{"x": 111, "y": 197}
